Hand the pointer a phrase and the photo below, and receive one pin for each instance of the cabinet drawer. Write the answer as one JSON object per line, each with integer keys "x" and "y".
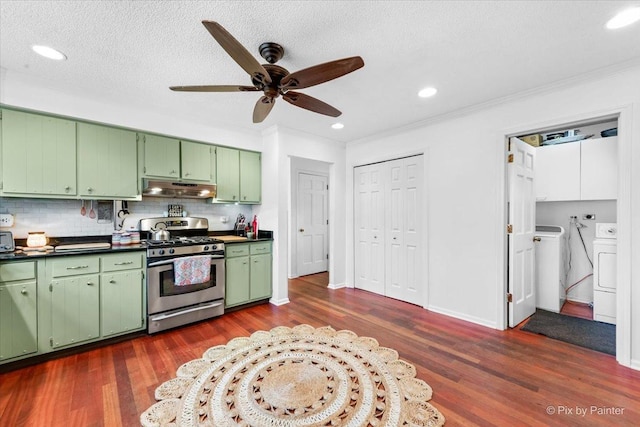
{"x": 121, "y": 262}
{"x": 260, "y": 248}
{"x": 72, "y": 266}
{"x": 13, "y": 271}
{"x": 236, "y": 250}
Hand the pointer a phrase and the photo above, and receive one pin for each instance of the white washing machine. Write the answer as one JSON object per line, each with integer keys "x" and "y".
{"x": 550, "y": 267}
{"x": 605, "y": 277}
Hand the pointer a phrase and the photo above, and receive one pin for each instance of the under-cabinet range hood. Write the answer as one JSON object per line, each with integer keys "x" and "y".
{"x": 160, "y": 188}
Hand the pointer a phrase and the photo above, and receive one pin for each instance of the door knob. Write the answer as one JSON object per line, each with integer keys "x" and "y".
{"x": 302, "y": 230}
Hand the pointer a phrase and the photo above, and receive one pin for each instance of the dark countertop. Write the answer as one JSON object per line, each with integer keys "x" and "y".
{"x": 18, "y": 255}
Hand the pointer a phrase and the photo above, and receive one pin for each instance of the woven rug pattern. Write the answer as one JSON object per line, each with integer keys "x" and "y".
{"x": 291, "y": 377}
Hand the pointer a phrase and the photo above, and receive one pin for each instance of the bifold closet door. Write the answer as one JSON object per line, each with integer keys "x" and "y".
{"x": 369, "y": 225}
{"x": 388, "y": 216}
{"x": 403, "y": 216}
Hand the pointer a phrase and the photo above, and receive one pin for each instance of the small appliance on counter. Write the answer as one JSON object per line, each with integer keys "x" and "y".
{"x": 6, "y": 242}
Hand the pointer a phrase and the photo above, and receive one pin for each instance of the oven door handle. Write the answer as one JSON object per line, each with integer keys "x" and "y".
{"x": 170, "y": 261}
{"x": 180, "y": 313}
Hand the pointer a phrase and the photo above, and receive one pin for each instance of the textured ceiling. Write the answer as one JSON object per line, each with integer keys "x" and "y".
{"x": 472, "y": 51}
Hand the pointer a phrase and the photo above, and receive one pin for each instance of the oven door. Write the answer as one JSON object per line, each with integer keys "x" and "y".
{"x": 164, "y": 295}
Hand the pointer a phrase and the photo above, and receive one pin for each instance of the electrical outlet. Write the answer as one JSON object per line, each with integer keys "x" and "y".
{"x": 6, "y": 220}
{"x": 588, "y": 216}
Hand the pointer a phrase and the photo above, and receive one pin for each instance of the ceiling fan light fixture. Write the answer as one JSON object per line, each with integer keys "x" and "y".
{"x": 427, "y": 92}
{"x": 49, "y": 52}
{"x": 624, "y": 18}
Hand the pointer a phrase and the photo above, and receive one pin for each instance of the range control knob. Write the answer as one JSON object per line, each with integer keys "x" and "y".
{"x": 206, "y": 248}
{"x": 161, "y": 251}
{"x": 171, "y": 251}
{"x": 214, "y": 247}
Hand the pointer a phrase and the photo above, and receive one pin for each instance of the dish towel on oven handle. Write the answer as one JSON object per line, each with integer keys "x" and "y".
{"x": 192, "y": 270}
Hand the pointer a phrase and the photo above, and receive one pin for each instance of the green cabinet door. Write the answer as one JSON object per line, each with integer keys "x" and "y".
{"x": 250, "y": 177}
{"x": 107, "y": 162}
{"x": 38, "y": 154}
{"x": 260, "y": 287}
{"x": 236, "y": 281}
{"x": 121, "y": 308}
{"x": 195, "y": 161}
{"x": 161, "y": 156}
{"x": 75, "y": 305}
{"x": 228, "y": 174}
{"x": 18, "y": 319}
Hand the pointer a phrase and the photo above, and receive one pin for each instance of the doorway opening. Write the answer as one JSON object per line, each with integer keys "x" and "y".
{"x": 308, "y": 217}
{"x": 572, "y": 268}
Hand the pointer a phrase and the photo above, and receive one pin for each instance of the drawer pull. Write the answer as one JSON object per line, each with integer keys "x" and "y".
{"x": 123, "y": 263}
{"x": 112, "y": 281}
{"x": 78, "y": 267}
{"x": 90, "y": 283}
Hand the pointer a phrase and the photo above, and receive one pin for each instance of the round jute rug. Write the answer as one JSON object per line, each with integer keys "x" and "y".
{"x": 291, "y": 377}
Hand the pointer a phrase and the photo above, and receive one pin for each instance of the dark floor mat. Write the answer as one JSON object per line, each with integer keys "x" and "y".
{"x": 585, "y": 333}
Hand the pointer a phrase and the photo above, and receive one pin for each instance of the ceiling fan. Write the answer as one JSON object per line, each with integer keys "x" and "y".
{"x": 274, "y": 80}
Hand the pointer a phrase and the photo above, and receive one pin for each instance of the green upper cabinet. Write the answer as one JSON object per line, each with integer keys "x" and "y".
{"x": 161, "y": 156}
{"x": 228, "y": 174}
{"x": 196, "y": 161}
{"x": 107, "y": 162}
{"x": 38, "y": 154}
{"x": 250, "y": 177}
{"x": 238, "y": 176}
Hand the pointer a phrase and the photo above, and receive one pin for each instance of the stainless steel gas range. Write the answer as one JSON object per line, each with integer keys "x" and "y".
{"x": 185, "y": 274}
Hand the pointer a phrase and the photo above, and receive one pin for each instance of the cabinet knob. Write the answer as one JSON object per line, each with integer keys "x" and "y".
{"x": 245, "y": 197}
{"x": 89, "y": 190}
{"x": 234, "y": 197}
{"x": 173, "y": 172}
{"x": 67, "y": 188}
{"x": 112, "y": 281}
{"x": 90, "y": 283}
{"x": 187, "y": 174}
{"x": 23, "y": 292}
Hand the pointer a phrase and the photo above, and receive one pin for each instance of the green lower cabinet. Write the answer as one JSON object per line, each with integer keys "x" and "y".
{"x": 121, "y": 307}
{"x": 236, "y": 281}
{"x": 18, "y": 319}
{"x": 75, "y": 305}
{"x": 260, "y": 286}
{"x": 248, "y": 273}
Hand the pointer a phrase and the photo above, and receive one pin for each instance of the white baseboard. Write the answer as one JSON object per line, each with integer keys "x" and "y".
{"x": 581, "y": 301}
{"x": 461, "y": 316}
{"x": 635, "y": 364}
{"x": 282, "y": 301}
{"x": 336, "y": 286}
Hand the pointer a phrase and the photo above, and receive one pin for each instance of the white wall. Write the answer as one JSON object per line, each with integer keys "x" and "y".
{"x": 558, "y": 213}
{"x": 465, "y": 176}
{"x": 280, "y": 146}
{"x": 299, "y": 165}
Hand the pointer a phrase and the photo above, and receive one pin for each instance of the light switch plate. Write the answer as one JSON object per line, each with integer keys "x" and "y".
{"x": 6, "y": 220}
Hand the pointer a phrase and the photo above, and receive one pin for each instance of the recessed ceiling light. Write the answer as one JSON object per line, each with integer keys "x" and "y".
{"x": 337, "y": 125}
{"x": 427, "y": 92}
{"x": 624, "y": 18}
{"x": 49, "y": 52}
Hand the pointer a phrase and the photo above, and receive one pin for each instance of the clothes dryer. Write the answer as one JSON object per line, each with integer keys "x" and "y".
{"x": 605, "y": 249}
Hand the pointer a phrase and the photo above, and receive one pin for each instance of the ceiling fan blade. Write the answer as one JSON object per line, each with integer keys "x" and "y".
{"x": 262, "y": 109}
{"x": 214, "y": 88}
{"x": 310, "y": 103}
{"x": 237, "y": 52}
{"x": 321, "y": 73}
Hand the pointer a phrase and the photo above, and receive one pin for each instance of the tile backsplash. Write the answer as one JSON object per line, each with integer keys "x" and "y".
{"x": 60, "y": 218}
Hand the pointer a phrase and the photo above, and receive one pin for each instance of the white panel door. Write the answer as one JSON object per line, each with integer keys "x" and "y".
{"x": 522, "y": 217}
{"x": 312, "y": 236}
{"x": 403, "y": 216}
{"x": 369, "y": 208}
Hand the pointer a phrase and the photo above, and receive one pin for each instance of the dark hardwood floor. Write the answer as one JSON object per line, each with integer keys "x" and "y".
{"x": 577, "y": 309}
{"x": 479, "y": 376}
